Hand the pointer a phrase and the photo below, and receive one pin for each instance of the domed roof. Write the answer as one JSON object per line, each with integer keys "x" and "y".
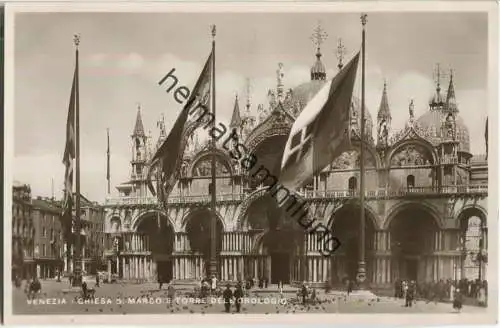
{"x": 303, "y": 93}
{"x": 431, "y": 123}
{"x": 318, "y": 69}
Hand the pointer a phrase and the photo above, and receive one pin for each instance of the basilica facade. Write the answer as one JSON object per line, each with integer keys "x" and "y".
{"x": 425, "y": 200}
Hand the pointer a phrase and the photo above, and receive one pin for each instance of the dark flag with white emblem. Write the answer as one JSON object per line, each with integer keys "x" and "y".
{"x": 166, "y": 161}
{"x": 69, "y": 149}
{"x": 321, "y": 132}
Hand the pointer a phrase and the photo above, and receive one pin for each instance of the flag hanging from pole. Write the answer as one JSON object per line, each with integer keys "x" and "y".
{"x": 167, "y": 158}
{"x": 321, "y": 132}
{"x": 108, "y": 173}
{"x": 69, "y": 150}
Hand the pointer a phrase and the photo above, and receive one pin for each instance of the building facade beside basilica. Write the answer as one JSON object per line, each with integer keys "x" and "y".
{"x": 426, "y": 201}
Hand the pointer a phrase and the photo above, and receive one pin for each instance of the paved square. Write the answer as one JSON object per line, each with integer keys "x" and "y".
{"x": 146, "y": 298}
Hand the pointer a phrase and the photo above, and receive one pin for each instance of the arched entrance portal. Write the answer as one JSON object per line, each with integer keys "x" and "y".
{"x": 275, "y": 242}
{"x": 159, "y": 235}
{"x": 345, "y": 225}
{"x": 473, "y": 244}
{"x": 413, "y": 232}
{"x": 199, "y": 236}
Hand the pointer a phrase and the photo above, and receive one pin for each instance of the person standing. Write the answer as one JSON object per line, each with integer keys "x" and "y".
{"x": 481, "y": 296}
{"x": 227, "y": 295}
{"x": 97, "y": 280}
{"x": 303, "y": 293}
{"x": 404, "y": 287}
{"x": 349, "y": 286}
{"x": 213, "y": 284}
{"x": 238, "y": 294}
{"x": 457, "y": 302}
{"x": 84, "y": 290}
{"x": 397, "y": 288}
{"x": 171, "y": 292}
{"x": 160, "y": 282}
{"x": 410, "y": 294}
{"x": 35, "y": 288}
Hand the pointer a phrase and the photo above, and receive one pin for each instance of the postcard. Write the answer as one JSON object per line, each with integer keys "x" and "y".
{"x": 222, "y": 163}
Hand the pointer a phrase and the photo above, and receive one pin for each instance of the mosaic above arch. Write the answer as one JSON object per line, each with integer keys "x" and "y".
{"x": 201, "y": 166}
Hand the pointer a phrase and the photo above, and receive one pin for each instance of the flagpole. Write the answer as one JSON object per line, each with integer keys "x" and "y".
{"x": 213, "y": 191}
{"x": 361, "y": 276}
{"x": 77, "y": 256}
{"x": 108, "y": 162}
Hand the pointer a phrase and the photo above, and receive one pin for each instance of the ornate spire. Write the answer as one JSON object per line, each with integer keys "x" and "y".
{"x": 139, "y": 127}
{"x": 451, "y": 101}
{"x": 236, "y": 118}
{"x": 248, "y": 91}
{"x": 411, "y": 110}
{"x": 318, "y": 71}
{"x": 437, "y": 100}
{"x": 279, "y": 77}
{"x": 163, "y": 133}
{"x": 340, "y": 54}
{"x": 383, "y": 119}
{"x": 384, "y": 112}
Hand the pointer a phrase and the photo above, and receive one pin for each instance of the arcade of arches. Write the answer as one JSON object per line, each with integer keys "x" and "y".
{"x": 269, "y": 244}
{"x": 145, "y": 254}
{"x": 412, "y": 246}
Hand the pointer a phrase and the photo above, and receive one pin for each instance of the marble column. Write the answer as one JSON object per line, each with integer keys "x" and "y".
{"x": 315, "y": 270}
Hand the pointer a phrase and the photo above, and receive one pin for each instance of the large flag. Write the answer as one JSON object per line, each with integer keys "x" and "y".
{"x": 321, "y": 132}
{"x": 167, "y": 158}
{"x": 69, "y": 150}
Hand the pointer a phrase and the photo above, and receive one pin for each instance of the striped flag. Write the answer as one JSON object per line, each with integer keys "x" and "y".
{"x": 69, "y": 150}
{"x": 166, "y": 161}
{"x": 321, "y": 132}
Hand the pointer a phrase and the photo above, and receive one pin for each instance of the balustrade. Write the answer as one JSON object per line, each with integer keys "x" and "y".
{"x": 380, "y": 193}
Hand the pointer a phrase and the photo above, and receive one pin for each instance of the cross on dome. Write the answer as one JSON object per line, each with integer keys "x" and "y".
{"x": 318, "y": 37}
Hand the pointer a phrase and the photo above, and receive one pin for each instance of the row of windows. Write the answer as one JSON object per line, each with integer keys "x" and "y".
{"x": 18, "y": 210}
{"x": 44, "y": 233}
{"x": 353, "y": 182}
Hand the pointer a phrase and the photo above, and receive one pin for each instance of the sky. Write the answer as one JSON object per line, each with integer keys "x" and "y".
{"x": 124, "y": 55}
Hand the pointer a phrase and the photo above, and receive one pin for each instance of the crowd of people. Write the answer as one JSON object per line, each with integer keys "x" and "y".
{"x": 450, "y": 290}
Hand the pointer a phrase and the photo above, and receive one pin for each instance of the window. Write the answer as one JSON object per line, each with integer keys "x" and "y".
{"x": 51, "y": 234}
{"x": 473, "y": 245}
{"x": 410, "y": 181}
{"x": 353, "y": 183}
{"x": 44, "y": 232}
{"x": 44, "y": 250}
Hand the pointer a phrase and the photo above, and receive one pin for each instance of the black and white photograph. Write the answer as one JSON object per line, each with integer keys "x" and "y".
{"x": 234, "y": 161}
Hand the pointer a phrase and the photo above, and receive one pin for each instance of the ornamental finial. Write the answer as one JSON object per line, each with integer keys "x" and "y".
{"x": 340, "y": 53}
{"x": 363, "y": 19}
{"x": 213, "y": 31}
{"x": 76, "y": 40}
{"x": 318, "y": 37}
{"x": 248, "y": 91}
{"x": 438, "y": 74}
